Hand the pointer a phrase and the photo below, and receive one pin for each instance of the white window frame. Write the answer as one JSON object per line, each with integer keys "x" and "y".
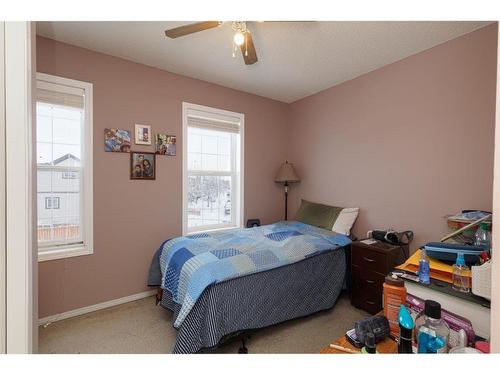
{"x": 50, "y": 252}
{"x": 216, "y": 114}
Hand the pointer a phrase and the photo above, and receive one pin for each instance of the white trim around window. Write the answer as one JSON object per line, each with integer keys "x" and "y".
{"x": 225, "y": 121}
{"x": 86, "y": 247}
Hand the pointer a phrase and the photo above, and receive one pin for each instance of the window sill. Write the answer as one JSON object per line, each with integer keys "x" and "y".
{"x": 188, "y": 233}
{"x": 69, "y": 252}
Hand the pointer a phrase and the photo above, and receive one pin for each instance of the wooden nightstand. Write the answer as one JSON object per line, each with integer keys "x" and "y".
{"x": 370, "y": 264}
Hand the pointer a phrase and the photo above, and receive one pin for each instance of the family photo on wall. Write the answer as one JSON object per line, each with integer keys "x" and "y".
{"x": 142, "y": 166}
{"x": 142, "y": 134}
{"x": 116, "y": 140}
{"x": 165, "y": 144}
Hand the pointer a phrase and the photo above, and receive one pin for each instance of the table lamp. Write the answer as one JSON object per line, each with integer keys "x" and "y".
{"x": 286, "y": 175}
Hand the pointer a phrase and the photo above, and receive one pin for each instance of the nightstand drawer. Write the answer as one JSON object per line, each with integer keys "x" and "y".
{"x": 367, "y": 277}
{"x": 367, "y": 290}
{"x": 363, "y": 287}
{"x": 369, "y": 304}
{"x": 369, "y": 259}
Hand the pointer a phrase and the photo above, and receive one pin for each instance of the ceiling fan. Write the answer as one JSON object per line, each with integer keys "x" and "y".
{"x": 242, "y": 37}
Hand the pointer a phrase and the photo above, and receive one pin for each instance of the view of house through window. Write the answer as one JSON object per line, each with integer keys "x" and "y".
{"x": 213, "y": 174}
{"x": 58, "y": 152}
{"x": 60, "y": 117}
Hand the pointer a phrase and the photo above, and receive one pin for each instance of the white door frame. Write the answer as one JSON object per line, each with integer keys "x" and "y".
{"x": 20, "y": 182}
{"x": 3, "y": 322}
{"x": 495, "y": 279}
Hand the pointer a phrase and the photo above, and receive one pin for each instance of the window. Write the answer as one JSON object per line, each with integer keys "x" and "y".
{"x": 52, "y": 203}
{"x": 212, "y": 168}
{"x": 64, "y": 167}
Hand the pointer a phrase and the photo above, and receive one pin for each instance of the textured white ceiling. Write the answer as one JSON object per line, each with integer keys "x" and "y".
{"x": 296, "y": 59}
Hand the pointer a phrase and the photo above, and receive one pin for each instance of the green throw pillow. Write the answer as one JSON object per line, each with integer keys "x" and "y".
{"x": 319, "y": 215}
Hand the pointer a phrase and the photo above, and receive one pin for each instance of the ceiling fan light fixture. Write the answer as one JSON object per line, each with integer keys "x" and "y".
{"x": 239, "y": 38}
{"x": 242, "y": 38}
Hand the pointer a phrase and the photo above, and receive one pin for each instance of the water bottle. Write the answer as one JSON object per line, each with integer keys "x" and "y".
{"x": 482, "y": 237}
{"x": 423, "y": 269}
{"x": 461, "y": 275}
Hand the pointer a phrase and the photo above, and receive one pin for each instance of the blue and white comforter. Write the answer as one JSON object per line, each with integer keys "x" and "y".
{"x": 190, "y": 264}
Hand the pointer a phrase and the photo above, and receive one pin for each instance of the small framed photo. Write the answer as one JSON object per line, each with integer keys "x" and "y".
{"x": 116, "y": 140}
{"x": 142, "y": 165}
{"x": 165, "y": 144}
{"x": 142, "y": 134}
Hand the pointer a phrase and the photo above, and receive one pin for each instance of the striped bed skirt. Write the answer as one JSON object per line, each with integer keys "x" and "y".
{"x": 260, "y": 300}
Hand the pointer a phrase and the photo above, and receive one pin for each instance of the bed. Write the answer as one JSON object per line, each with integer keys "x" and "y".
{"x": 223, "y": 283}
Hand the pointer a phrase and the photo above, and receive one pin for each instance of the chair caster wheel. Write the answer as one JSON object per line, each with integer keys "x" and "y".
{"x": 243, "y": 349}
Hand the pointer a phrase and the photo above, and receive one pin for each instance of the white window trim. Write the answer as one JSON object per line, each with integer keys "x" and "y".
{"x": 87, "y": 206}
{"x": 216, "y": 114}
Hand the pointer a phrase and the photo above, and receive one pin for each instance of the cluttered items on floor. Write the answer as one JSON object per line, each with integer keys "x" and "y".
{"x": 465, "y": 224}
{"x": 431, "y": 331}
{"x": 467, "y": 306}
{"x": 414, "y": 330}
{"x": 377, "y": 325}
{"x": 438, "y": 300}
{"x": 456, "y": 272}
{"x": 461, "y": 331}
{"x": 394, "y": 293}
{"x": 439, "y": 331}
{"x": 366, "y": 335}
{"x": 448, "y": 252}
{"x": 481, "y": 280}
{"x": 406, "y": 326}
{"x": 461, "y": 258}
{"x": 423, "y": 326}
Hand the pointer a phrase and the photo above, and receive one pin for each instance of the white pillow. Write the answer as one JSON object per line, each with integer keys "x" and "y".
{"x": 345, "y": 221}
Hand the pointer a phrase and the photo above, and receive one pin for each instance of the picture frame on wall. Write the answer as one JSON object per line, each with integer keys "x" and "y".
{"x": 116, "y": 140}
{"x": 142, "y": 134}
{"x": 165, "y": 144}
{"x": 142, "y": 165}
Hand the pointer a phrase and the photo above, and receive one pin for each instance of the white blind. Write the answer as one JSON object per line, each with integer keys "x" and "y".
{"x": 60, "y": 94}
{"x": 204, "y": 123}
{"x": 54, "y": 97}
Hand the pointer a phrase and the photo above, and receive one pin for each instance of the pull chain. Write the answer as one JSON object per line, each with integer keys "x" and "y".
{"x": 234, "y": 49}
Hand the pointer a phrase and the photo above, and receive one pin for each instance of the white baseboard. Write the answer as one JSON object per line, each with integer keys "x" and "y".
{"x": 99, "y": 306}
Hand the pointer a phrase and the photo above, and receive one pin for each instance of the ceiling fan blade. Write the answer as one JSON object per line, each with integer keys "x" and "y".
{"x": 191, "y": 28}
{"x": 248, "y": 50}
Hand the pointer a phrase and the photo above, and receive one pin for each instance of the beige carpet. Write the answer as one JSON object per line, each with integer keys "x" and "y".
{"x": 142, "y": 327}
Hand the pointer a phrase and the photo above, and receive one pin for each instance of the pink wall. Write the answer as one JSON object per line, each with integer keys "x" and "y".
{"x": 407, "y": 143}
{"x": 132, "y": 218}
